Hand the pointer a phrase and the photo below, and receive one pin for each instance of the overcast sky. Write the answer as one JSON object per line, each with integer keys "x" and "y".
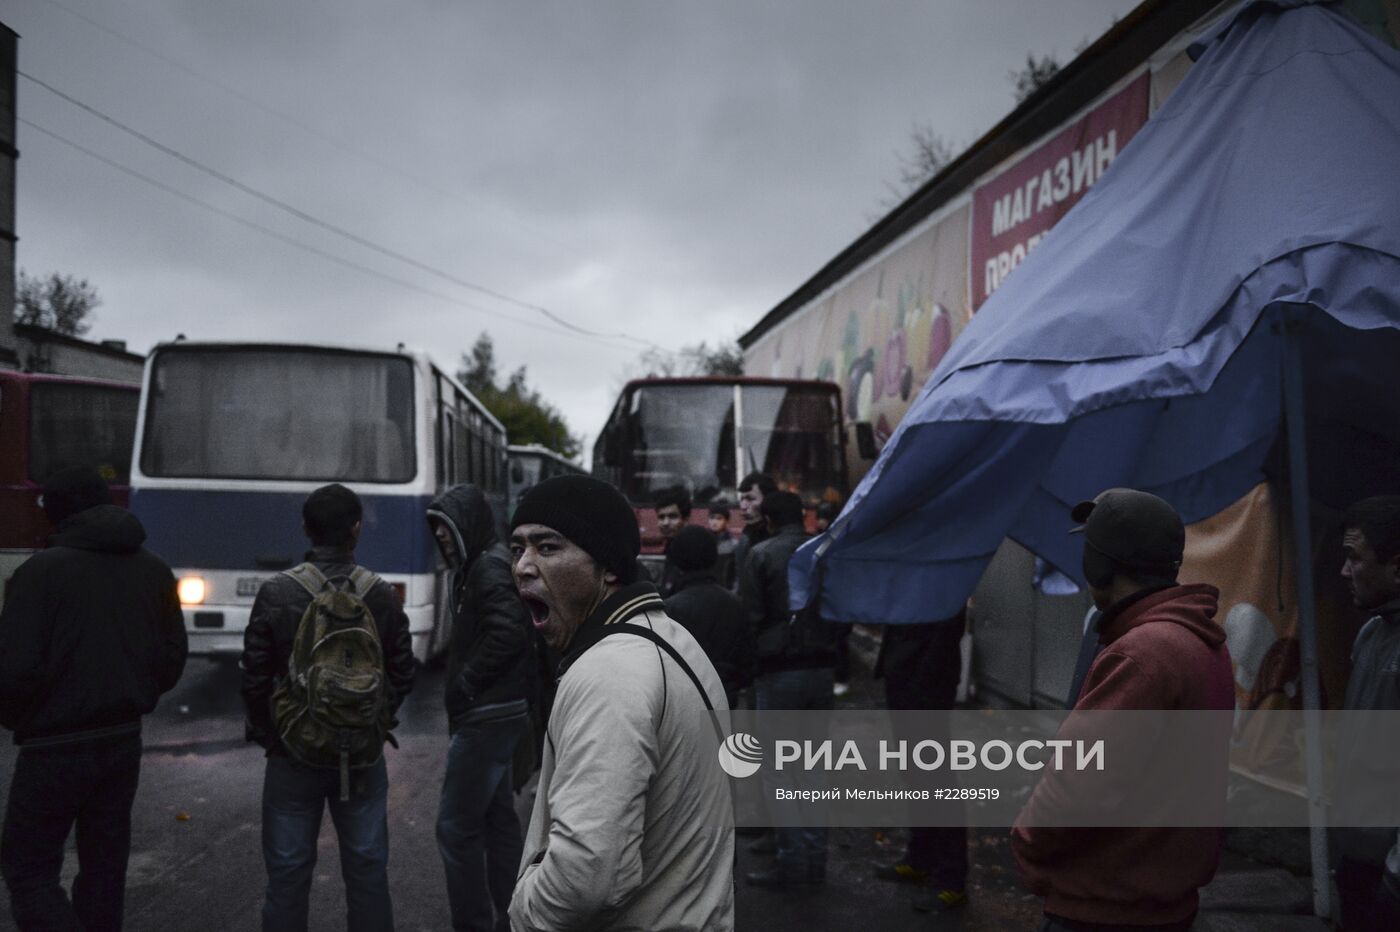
{"x": 664, "y": 170}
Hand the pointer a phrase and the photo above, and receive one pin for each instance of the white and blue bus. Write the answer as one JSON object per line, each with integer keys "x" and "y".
{"x": 531, "y": 464}
{"x": 232, "y": 437}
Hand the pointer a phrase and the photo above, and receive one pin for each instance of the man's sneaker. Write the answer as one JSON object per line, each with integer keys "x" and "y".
{"x": 840, "y": 689}
{"x": 900, "y": 873}
{"x": 930, "y": 900}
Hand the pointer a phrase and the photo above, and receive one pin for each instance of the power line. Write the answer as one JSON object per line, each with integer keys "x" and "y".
{"x": 341, "y": 144}
{"x": 339, "y": 260}
{"x": 326, "y": 225}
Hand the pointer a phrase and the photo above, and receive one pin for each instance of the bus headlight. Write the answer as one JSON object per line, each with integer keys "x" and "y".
{"x": 191, "y": 590}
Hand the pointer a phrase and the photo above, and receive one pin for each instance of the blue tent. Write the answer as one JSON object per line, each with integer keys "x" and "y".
{"x": 1242, "y": 250}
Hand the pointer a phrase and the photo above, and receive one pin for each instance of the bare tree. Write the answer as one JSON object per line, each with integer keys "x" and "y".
{"x": 928, "y": 152}
{"x": 1033, "y": 76}
{"x": 61, "y": 303}
{"x": 696, "y": 360}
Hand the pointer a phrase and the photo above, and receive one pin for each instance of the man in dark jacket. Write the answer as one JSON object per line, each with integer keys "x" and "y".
{"x": 752, "y": 490}
{"x": 295, "y": 795}
{"x": 488, "y": 682}
{"x": 795, "y": 664}
{"x": 1161, "y": 650}
{"x": 90, "y": 637}
{"x": 1368, "y": 862}
{"x": 707, "y": 610}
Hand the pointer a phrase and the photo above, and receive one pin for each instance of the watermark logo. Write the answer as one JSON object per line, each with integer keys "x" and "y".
{"x": 740, "y": 755}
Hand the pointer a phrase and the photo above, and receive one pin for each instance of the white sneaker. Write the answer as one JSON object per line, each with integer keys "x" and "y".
{"x": 840, "y": 689}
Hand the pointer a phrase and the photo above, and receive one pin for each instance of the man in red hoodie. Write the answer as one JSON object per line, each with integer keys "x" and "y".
{"x": 1160, "y": 649}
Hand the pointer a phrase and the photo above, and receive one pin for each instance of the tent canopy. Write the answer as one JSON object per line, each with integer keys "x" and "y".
{"x": 1140, "y": 344}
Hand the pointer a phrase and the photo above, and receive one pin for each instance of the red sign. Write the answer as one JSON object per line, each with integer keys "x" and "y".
{"x": 1013, "y": 211}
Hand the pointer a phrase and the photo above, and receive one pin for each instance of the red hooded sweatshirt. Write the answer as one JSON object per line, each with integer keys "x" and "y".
{"x": 1162, "y": 651}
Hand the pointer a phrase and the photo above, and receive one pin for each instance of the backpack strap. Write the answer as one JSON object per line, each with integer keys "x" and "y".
{"x": 363, "y": 580}
{"x": 661, "y": 642}
{"x": 308, "y": 577}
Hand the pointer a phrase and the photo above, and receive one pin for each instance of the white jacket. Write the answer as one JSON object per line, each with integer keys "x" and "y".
{"x": 633, "y": 827}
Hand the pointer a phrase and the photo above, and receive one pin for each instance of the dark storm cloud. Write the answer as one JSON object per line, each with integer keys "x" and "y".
{"x": 669, "y": 170}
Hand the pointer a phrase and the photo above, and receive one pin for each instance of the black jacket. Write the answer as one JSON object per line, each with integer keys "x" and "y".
{"x": 91, "y": 633}
{"x": 272, "y": 625}
{"x": 716, "y": 619}
{"x": 492, "y": 637}
{"x": 763, "y": 590}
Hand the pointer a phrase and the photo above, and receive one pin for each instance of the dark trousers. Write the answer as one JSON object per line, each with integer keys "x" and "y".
{"x": 1365, "y": 905}
{"x": 87, "y": 785}
{"x": 801, "y": 852}
{"x": 294, "y": 797}
{"x": 478, "y": 833}
{"x": 921, "y": 665}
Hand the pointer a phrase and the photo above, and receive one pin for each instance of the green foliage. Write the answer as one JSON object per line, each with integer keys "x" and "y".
{"x": 61, "y": 303}
{"x": 528, "y": 418}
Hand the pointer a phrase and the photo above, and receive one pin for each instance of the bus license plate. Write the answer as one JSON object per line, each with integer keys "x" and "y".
{"x": 248, "y": 586}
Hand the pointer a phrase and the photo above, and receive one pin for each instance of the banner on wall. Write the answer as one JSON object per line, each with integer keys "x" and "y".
{"x": 1013, "y": 211}
{"x": 880, "y": 332}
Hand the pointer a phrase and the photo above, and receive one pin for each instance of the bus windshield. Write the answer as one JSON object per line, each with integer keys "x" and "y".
{"x": 268, "y": 413}
{"x": 74, "y": 424}
{"x": 707, "y": 437}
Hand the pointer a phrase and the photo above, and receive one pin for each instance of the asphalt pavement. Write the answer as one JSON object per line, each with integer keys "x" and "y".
{"x": 196, "y": 860}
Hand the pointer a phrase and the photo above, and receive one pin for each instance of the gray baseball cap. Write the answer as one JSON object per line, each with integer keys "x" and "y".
{"x": 1135, "y": 528}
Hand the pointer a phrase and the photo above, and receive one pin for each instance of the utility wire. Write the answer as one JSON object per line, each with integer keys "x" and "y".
{"x": 339, "y": 260}
{"x": 326, "y": 225}
{"x": 341, "y": 144}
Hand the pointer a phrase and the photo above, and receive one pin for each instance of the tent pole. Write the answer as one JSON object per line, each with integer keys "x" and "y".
{"x": 1293, "y": 318}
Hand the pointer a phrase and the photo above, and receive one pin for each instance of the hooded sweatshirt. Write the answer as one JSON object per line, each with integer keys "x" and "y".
{"x": 1161, "y": 651}
{"x": 490, "y": 661}
{"x": 91, "y": 633}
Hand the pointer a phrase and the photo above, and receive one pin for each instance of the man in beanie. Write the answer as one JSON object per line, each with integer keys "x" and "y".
{"x": 632, "y": 826}
{"x": 90, "y": 637}
{"x": 711, "y": 613}
{"x": 1161, "y": 649}
{"x": 296, "y": 795}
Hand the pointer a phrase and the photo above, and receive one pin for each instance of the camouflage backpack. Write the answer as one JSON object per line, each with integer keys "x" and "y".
{"x": 331, "y": 709}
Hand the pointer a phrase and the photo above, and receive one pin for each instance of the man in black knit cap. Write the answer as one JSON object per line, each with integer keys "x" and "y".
{"x": 710, "y": 612}
{"x": 629, "y": 760}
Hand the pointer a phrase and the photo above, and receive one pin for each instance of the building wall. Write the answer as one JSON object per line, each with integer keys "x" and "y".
{"x": 8, "y": 156}
{"x": 41, "y": 350}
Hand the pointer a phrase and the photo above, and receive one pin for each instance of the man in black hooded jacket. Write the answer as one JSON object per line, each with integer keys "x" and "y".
{"x": 90, "y": 637}
{"x": 488, "y": 681}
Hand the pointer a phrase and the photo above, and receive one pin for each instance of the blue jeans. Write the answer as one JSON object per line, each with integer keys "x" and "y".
{"x": 477, "y": 830}
{"x": 294, "y": 796}
{"x": 91, "y": 784}
{"x": 801, "y": 852}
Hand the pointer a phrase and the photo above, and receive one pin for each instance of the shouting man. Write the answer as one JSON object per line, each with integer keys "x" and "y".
{"x": 632, "y": 826}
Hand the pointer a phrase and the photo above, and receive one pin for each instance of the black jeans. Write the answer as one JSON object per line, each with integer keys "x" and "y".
{"x": 88, "y": 784}
{"x": 478, "y": 832}
{"x": 921, "y": 665}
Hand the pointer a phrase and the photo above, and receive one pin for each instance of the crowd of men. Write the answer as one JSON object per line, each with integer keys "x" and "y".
{"x": 565, "y": 651}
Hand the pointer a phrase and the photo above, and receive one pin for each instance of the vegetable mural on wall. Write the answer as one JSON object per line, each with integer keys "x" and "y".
{"x": 881, "y": 334}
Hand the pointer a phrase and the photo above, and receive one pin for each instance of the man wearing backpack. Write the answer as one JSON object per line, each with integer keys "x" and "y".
{"x": 489, "y": 678}
{"x": 325, "y": 749}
